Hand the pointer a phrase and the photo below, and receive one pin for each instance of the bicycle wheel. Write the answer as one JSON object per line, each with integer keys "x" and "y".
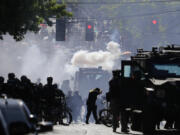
{"x": 106, "y": 117}
{"x": 67, "y": 118}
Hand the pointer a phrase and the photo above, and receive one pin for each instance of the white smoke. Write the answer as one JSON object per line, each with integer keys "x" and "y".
{"x": 38, "y": 58}
{"x": 105, "y": 59}
{"x": 35, "y": 58}
{"x": 39, "y": 64}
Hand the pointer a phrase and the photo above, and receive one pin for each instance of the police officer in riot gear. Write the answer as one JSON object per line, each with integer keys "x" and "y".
{"x": 49, "y": 94}
{"x": 2, "y": 85}
{"x": 49, "y": 91}
{"x": 118, "y": 102}
{"x": 114, "y": 95}
{"x": 59, "y": 103}
{"x": 136, "y": 89}
{"x": 12, "y": 85}
{"x": 25, "y": 92}
{"x": 91, "y": 104}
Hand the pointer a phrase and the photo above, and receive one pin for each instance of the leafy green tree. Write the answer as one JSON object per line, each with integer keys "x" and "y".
{"x": 135, "y": 18}
{"x": 19, "y": 16}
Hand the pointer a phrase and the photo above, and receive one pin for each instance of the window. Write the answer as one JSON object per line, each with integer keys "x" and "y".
{"x": 127, "y": 71}
{"x": 166, "y": 70}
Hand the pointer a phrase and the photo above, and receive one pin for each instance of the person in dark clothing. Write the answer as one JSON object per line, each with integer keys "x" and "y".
{"x": 12, "y": 85}
{"x": 49, "y": 89}
{"x": 91, "y": 104}
{"x": 2, "y": 85}
{"x": 136, "y": 102}
{"x": 76, "y": 106}
{"x": 58, "y": 92}
{"x": 59, "y": 97}
{"x": 69, "y": 98}
{"x": 114, "y": 96}
{"x": 37, "y": 96}
{"x": 49, "y": 95}
{"x": 25, "y": 92}
{"x": 58, "y": 104}
{"x": 1, "y": 79}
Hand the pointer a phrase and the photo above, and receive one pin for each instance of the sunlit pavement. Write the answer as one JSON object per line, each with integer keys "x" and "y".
{"x": 84, "y": 129}
{"x": 93, "y": 129}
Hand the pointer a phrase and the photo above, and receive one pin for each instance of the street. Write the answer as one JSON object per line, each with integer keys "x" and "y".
{"x": 83, "y": 129}
{"x": 94, "y": 129}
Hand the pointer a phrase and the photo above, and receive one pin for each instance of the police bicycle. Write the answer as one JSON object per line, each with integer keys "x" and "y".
{"x": 57, "y": 112}
{"x": 62, "y": 113}
{"x": 105, "y": 115}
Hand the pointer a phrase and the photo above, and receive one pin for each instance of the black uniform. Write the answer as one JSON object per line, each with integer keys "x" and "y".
{"x": 12, "y": 85}
{"x": 59, "y": 97}
{"x": 114, "y": 96}
{"x": 49, "y": 96}
{"x": 49, "y": 93}
{"x": 2, "y": 85}
{"x": 91, "y": 104}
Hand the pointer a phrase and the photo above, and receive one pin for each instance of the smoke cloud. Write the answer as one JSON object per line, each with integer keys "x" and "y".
{"x": 105, "y": 59}
{"x": 38, "y": 64}
{"x": 35, "y": 58}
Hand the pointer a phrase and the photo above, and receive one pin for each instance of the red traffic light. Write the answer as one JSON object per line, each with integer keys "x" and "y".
{"x": 154, "y": 21}
{"x": 89, "y": 31}
{"x": 89, "y": 26}
{"x": 43, "y": 25}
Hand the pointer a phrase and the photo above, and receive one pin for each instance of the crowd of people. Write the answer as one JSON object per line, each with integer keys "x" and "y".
{"x": 75, "y": 103}
{"x": 40, "y": 97}
{"x": 37, "y": 96}
{"x": 128, "y": 96}
{"x": 46, "y": 97}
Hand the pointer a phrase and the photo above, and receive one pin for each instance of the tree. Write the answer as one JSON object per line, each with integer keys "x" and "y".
{"x": 19, "y": 16}
{"x": 135, "y": 18}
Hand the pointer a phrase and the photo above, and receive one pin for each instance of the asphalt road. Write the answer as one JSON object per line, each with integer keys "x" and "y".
{"x": 83, "y": 129}
{"x": 93, "y": 129}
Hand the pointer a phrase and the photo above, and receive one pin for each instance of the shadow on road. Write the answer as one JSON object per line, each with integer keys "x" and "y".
{"x": 159, "y": 132}
{"x": 165, "y": 132}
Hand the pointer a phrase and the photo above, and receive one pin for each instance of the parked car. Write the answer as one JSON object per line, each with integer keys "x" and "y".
{"x": 15, "y": 117}
{"x": 3, "y": 125}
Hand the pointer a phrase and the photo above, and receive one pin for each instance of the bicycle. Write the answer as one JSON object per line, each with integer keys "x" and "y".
{"x": 57, "y": 113}
{"x": 63, "y": 113}
{"x": 105, "y": 115}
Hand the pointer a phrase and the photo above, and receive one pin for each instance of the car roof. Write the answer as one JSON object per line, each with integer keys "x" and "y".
{"x": 14, "y": 110}
{"x": 10, "y": 102}
{"x": 3, "y": 125}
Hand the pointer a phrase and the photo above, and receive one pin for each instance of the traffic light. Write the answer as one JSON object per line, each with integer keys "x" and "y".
{"x": 89, "y": 31}
{"x": 60, "y": 29}
{"x": 154, "y": 25}
{"x": 154, "y": 22}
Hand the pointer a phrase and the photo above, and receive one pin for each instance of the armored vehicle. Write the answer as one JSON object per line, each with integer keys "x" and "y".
{"x": 89, "y": 78}
{"x": 151, "y": 85}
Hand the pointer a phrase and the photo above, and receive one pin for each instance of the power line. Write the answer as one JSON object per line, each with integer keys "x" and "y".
{"x": 130, "y": 16}
{"x": 122, "y": 2}
{"x": 156, "y": 33}
{"x": 152, "y": 14}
